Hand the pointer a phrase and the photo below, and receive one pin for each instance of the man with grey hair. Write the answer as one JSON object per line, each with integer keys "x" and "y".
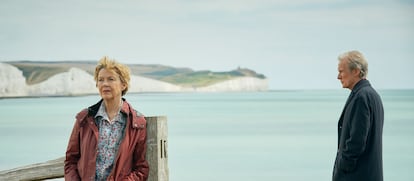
{"x": 359, "y": 154}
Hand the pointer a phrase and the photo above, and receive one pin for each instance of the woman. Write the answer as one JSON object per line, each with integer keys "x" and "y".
{"x": 108, "y": 140}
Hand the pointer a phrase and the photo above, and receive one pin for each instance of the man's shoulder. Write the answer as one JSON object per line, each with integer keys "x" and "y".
{"x": 367, "y": 95}
{"x": 368, "y": 91}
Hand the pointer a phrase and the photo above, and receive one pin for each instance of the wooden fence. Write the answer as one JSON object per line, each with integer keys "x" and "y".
{"x": 157, "y": 156}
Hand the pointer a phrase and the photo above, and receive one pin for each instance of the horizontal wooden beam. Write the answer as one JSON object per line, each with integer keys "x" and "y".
{"x": 39, "y": 171}
{"x": 156, "y": 156}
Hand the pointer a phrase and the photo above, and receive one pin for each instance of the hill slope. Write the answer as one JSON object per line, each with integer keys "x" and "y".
{"x": 37, "y": 71}
{"x": 21, "y": 79}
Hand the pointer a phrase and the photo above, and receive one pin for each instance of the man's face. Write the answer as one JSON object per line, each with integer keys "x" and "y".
{"x": 347, "y": 77}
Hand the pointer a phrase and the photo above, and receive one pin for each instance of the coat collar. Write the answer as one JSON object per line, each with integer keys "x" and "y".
{"x": 136, "y": 117}
{"x": 93, "y": 110}
{"x": 362, "y": 83}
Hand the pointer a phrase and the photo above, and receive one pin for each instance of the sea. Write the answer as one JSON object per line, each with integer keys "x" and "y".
{"x": 287, "y": 135}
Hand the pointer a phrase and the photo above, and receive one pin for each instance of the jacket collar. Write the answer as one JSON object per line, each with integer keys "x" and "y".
{"x": 362, "y": 83}
{"x": 126, "y": 109}
{"x": 93, "y": 110}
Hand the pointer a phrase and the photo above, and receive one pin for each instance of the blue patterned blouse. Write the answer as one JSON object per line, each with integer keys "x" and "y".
{"x": 110, "y": 136}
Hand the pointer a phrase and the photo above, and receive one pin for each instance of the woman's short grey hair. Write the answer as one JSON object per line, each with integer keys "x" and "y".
{"x": 355, "y": 61}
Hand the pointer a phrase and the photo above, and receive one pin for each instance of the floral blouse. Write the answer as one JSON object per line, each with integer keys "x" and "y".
{"x": 110, "y": 136}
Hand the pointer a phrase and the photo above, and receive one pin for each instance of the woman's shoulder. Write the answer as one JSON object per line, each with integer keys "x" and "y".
{"x": 138, "y": 120}
{"x": 137, "y": 113}
{"x": 131, "y": 109}
{"x": 81, "y": 115}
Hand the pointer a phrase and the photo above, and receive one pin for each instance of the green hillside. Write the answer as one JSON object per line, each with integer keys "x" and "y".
{"x": 37, "y": 71}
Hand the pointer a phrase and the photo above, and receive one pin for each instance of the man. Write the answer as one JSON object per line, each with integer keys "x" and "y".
{"x": 359, "y": 155}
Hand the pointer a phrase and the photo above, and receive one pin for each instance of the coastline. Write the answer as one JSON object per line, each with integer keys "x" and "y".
{"x": 196, "y": 92}
{"x": 77, "y": 82}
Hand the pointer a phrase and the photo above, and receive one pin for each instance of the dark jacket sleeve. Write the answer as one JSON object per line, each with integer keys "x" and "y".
{"x": 140, "y": 170}
{"x": 72, "y": 155}
{"x": 359, "y": 127}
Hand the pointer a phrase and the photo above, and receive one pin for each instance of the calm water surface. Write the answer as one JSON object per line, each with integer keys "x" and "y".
{"x": 263, "y": 136}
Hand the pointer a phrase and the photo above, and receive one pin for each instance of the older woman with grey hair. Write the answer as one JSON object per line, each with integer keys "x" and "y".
{"x": 108, "y": 140}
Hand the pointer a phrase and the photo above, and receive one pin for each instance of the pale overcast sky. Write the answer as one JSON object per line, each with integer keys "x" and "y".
{"x": 294, "y": 43}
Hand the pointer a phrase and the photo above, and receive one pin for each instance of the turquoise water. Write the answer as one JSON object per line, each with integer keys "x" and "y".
{"x": 263, "y": 136}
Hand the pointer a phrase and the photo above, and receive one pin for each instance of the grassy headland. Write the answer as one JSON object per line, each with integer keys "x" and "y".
{"x": 38, "y": 71}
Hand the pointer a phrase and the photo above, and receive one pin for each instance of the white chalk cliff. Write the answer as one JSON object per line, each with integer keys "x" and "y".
{"x": 77, "y": 82}
{"x": 73, "y": 82}
{"x": 237, "y": 84}
{"x": 12, "y": 81}
{"x": 143, "y": 84}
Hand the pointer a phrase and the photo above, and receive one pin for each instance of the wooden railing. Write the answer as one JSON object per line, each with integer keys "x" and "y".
{"x": 157, "y": 156}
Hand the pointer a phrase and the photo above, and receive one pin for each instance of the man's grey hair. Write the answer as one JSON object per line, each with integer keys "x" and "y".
{"x": 355, "y": 61}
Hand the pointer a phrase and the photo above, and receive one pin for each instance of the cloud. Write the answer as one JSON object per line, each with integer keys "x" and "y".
{"x": 214, "y": 34}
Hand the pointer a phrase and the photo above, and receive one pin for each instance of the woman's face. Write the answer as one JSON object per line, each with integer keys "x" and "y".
{"x": 109, "y": 85}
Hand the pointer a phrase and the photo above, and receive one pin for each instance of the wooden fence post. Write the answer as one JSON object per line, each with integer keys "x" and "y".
{"x": 157, "y": 157}
{"x": 157, "y": 149}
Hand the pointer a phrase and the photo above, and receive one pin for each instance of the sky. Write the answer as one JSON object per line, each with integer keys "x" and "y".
{"x": 294, "y": 43}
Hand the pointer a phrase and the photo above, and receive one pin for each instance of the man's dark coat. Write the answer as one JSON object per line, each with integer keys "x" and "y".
{"x": 359, "y": 155}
